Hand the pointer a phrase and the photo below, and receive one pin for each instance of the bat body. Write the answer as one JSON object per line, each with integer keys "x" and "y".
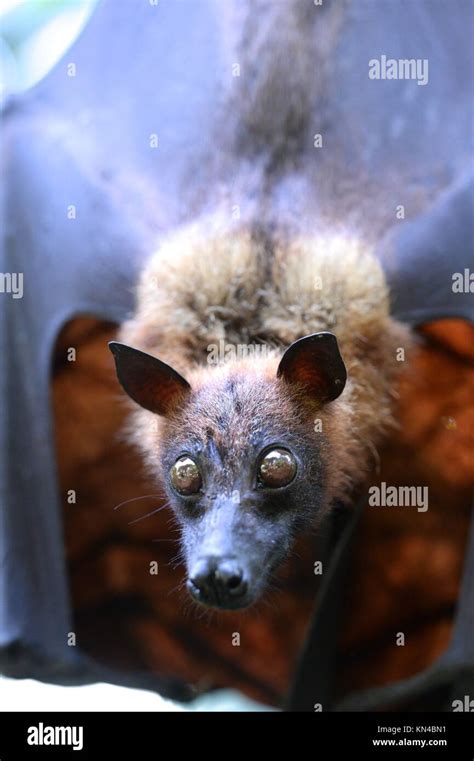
{"x": 277, "y": 363}
{"x": 256, "y": 448}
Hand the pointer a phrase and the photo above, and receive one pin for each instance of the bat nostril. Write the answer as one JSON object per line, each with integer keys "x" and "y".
{"x": 230, "y": 576}
{"x": 200, "y": 578}
{"x": 233, "y": 582}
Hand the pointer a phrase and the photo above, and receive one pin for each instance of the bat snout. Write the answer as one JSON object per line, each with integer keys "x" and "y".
{"x": 219, "y": 582}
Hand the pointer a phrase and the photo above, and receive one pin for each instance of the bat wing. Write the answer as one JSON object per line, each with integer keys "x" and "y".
{"x": 429, "y": 262}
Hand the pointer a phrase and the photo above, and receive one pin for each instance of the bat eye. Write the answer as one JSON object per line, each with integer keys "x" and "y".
{"x": 185, "y": 476}
{"x": 277, "y": 468}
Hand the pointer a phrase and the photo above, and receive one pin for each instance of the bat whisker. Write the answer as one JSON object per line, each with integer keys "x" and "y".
{"x": 135, "y": 499}
{"x": 148, "y": 515}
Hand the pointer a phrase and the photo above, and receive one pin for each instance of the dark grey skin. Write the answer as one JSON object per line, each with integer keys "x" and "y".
{"x": 235, "y": 530}
{"x": 254, "y": 470}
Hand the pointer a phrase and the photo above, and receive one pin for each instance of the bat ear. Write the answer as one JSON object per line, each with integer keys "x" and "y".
{"x": 315, "y": 362}
{"x": 147, "y": 380}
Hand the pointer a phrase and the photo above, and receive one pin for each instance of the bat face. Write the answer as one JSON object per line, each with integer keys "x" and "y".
{"x": 241, "y": 463}
{"x": 242, "y": 484}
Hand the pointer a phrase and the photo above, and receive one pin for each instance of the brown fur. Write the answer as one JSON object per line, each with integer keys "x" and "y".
{"x": 241, "y": 288}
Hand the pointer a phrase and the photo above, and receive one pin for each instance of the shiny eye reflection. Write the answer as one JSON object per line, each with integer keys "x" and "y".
{"x": 185, "y": 476}
{"x": 277, "y": 468}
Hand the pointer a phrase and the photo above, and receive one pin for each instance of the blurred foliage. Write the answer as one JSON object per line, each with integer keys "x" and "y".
{"x": 34, "y": 34}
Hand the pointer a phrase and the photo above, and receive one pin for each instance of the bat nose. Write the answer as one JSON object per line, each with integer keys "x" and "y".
{"x": 218, "y": 581}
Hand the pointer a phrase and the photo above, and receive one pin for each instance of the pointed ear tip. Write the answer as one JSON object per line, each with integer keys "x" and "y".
{"x": 321, "y": 334}
{"x": 326, "y": 334}
{"x": 116, "y": 347}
